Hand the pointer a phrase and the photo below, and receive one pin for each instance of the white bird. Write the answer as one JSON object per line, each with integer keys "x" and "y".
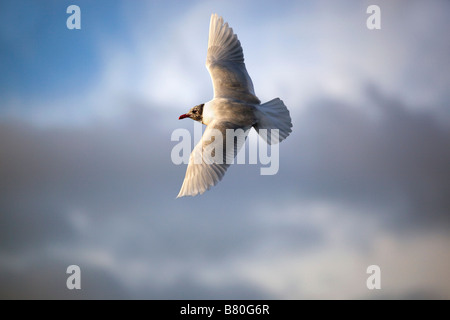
{"x": 234, "y": 106}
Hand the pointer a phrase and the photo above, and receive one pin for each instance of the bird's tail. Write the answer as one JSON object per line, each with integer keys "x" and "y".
{"x": 273, "y": 115}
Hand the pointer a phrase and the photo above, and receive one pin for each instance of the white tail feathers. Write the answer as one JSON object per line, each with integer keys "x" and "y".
{"x": 273, "y": 115}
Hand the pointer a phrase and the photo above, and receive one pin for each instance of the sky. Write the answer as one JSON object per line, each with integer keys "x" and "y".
{"x": 86, "y": 176}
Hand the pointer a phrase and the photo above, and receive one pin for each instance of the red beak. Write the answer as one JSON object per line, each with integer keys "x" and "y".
{"x": 183, "y": 116}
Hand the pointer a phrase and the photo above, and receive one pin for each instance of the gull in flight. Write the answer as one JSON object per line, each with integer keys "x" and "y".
{"x": 234, "y": 107}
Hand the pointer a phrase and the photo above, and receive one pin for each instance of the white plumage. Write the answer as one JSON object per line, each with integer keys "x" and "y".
{"x": 234, "y": 106}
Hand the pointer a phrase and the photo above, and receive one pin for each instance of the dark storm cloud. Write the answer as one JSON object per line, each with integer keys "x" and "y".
{"x": 384, "y": 153}
{"x": 104, "y": 194}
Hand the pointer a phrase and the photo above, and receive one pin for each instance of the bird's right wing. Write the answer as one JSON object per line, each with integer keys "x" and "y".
{"x": 225, "y": 63}
{"x": 211, "y": 158}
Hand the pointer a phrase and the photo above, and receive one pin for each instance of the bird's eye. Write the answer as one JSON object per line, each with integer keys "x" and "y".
{"x": 194, "y": 111}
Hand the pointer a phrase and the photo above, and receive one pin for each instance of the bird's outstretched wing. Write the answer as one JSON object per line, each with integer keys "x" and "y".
{"x": 211, "y": 157}
{"x": 225, "y": 63}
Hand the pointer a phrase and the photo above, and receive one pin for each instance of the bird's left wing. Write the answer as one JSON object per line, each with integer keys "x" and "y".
{"x": 212, "y": 156}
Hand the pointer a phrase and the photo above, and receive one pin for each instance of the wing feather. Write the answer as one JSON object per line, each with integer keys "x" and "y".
{"x": 204, "y": 169}
{"x": 225, "y": 63}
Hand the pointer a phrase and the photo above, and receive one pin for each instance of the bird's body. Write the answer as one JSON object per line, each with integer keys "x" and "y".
{"x": 234, "y": 107}
{"x": 222, "y": 109}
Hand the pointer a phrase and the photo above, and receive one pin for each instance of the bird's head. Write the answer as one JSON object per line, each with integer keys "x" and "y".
{"x": 196, "y": 113}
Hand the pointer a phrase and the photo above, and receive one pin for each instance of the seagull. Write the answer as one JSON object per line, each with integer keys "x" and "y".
{"x": 234, "y": 107}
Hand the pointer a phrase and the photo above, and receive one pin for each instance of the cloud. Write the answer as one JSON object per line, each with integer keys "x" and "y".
{"x": 351, "y": 191}
{"x": 363, "y": 178}
{"x": 401, "y": 157}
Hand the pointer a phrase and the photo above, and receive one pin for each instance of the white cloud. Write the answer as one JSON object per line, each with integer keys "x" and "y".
{"x": 310, "y": 51}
